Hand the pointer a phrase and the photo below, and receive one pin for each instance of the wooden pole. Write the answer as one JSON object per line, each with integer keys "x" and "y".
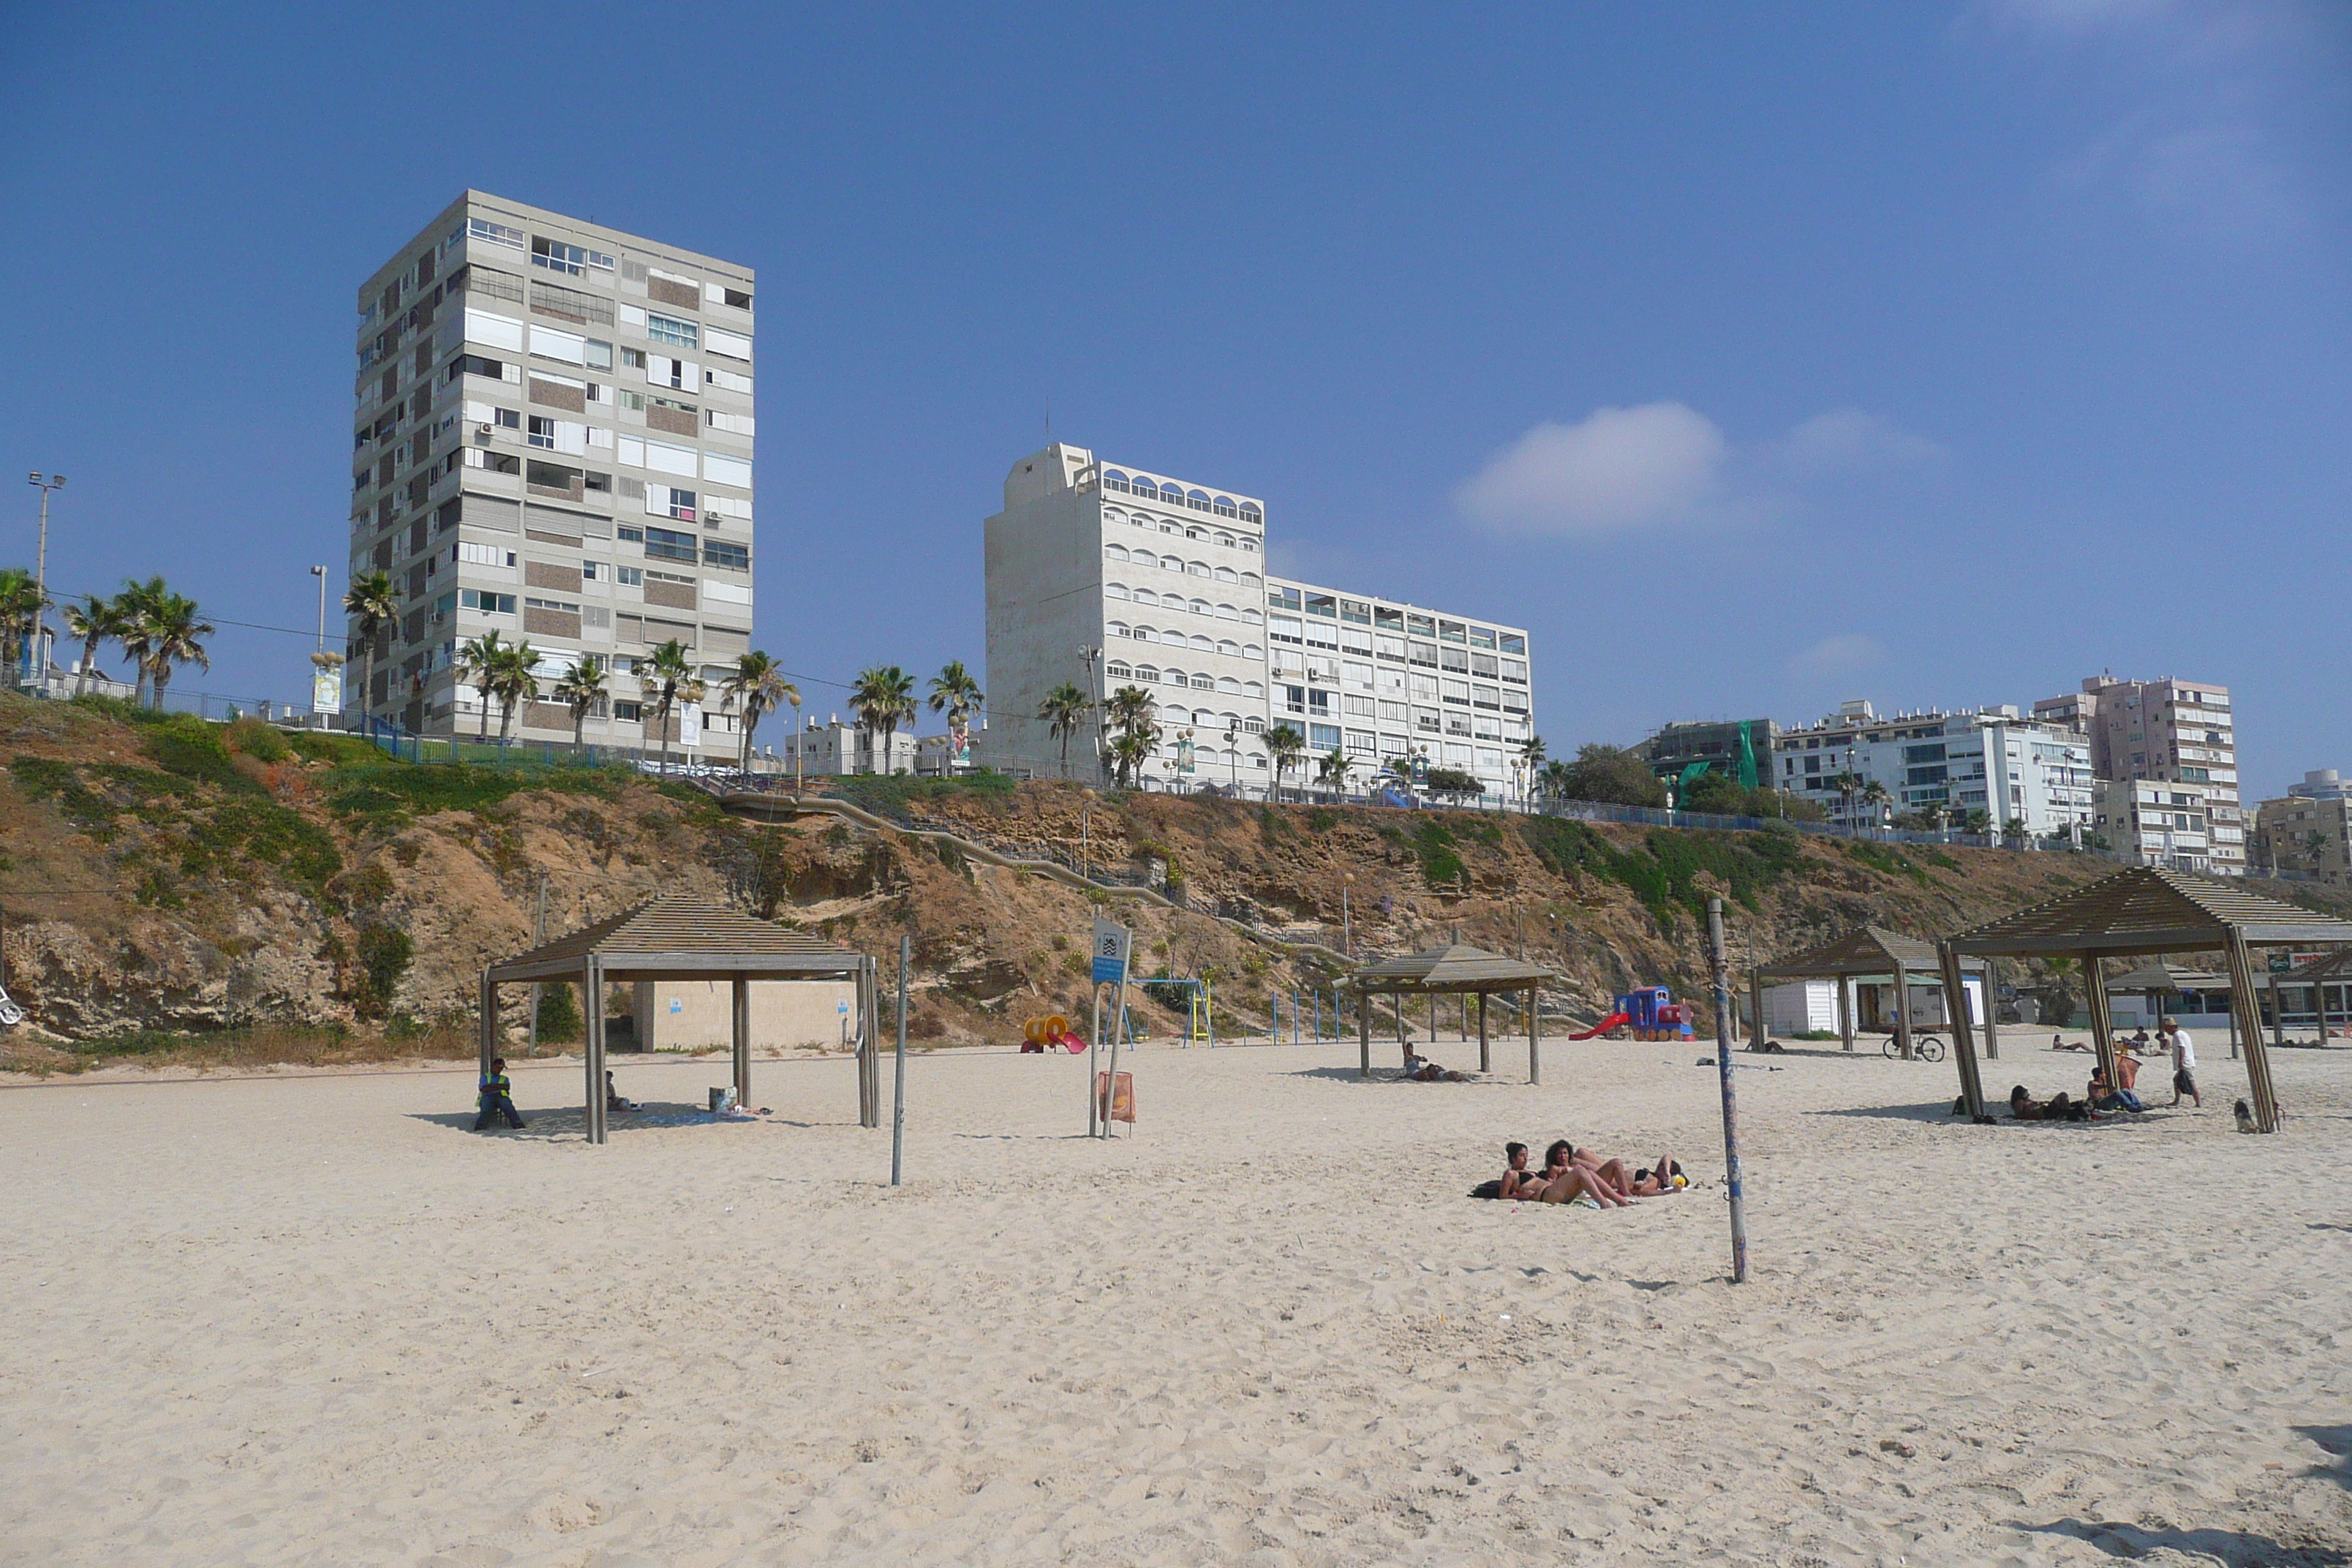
{"x": 1846, "y": 1009}
{"x": 593, "y": 983}
{"x": 1721, "y": 964}
{"x": 1363, "y": 1036}
{"x": 1483, "y": 1065}
{"x": 2103, "y": 1030}
{"x": 1902, "y": 1012}
{"x": 1963, "y": 1045}
{"x": 1991, "y": 1017}
{"x": 489, "y": 1014}
{"x": 1535, "y": 1039}
{"x": 2258, "y": 1057}
{"x": 740, "y": 1014}
{"x": 1756, "y": 1030}
{"x": 538, "y": 989}
{"x": 2278, "y": 1013}
{"x": 898, "y": 1089}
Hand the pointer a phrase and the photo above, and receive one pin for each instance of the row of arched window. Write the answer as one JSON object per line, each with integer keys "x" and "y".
{"x": 1152, "y": 674}
{"x": 1249, "y": 580}
{"x": 1248, "y": 618}
{"x": 1197, "y": 644}
{"x": 1241, "y": 542}
{"x": 1167, "y": 492}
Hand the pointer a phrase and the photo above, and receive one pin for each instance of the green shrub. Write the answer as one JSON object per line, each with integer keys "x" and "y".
{"x": 257, "y": 740}
{"x": 385, "y": 952}
{"x": 193, "y": 750}
{"x": 560, "y": 1023}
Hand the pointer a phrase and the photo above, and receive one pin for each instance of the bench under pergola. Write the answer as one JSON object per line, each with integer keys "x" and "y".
{"x": 2145, "y": 911}
{"x": 1455, "y": 969}
{"x": 1868, "y": 952}
{"x": 679, "y": 937}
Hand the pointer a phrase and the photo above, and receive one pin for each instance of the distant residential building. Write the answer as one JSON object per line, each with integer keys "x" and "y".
{"x": 1721, "y": 743}
{"x": 2011, "y": 768}
{"x": 2153, "y": 823}
{"x": 2171, "y": 731}
{"x": 833, "y": 748}
{"x": 2307, "y": 837}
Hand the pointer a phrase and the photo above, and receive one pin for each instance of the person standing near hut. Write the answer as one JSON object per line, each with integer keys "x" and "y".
{"x": 2184, "y": 1061}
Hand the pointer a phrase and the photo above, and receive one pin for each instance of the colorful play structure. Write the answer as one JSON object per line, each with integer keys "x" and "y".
{"x": 1039, "y": 1033}
{"x": 1650, "y": 1012}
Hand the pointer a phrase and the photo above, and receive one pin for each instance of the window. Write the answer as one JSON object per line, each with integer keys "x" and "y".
{"x": 509, "y": 419}
{"x": 631, "y": 535}
{"x": 1356, "y": 611}
{"x": 734, "y": 557}
{"x": 1287, "y": 598}
{"x": 1323, "y": 604}
{"x": 597, "y": 353}
{"x": 668, "y": 544}
{"x": 475, "y": 364}
{"x": 727, "y": 380}
{"x": 543, "y": 433}
{"x": 740, "y": 298}
{"x": 1482, "y": 637}
{"x": 558, "y": 257}
{"x": 669, "y": 330}
{"x": 483, "y": 555}
{"x": 1514, "y": 643}
{"x": 630, "y": 576}
{"x": 489, "y": 603}
{"x": 1451, "y": 631}
{"x": 495, "y": 233}
{"x": 589, "y": 569}
{"x": 632, "y": 712}
{"x": 666, "y": 500}
{"x": 719, "y": 341}
{"x": 1322, "y": 737}
{"x": 1283, "y": 629}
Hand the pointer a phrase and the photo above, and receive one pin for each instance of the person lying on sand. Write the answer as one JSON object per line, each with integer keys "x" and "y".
{"x": 1564, "y": 1181}
{"x": 2060, "y": 1109}
{"x": 1607, "y": 1180}
{"x": 1421, "y": 1069}
{"x": 1519, "y": 1182}
{"x": 2058, "y": 1043}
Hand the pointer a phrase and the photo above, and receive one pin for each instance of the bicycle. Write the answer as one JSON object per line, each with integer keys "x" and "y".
{"x": 1925, "y": 1047}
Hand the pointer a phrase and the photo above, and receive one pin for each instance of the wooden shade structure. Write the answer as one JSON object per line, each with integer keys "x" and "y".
{"x": 1868, "y": 952}
{"x": 2336, "y": 966}
{"x": 1455, "y": 969}
{"x": 2147, "y": 912}
{"x": 679, "y": 937}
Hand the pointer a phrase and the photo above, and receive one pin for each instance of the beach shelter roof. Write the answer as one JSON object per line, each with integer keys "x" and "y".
{"x": 2330, "y": 967}
{"x": 2151, "y": 910}
{"x": 679, "y": 936}
{"x": 1455, "y": 968}
{"x": 2166, "y": 976}
{"x": 1865, "y": 949}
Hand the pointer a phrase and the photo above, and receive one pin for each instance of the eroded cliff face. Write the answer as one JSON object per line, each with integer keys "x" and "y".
{"x": 167, "y": 877}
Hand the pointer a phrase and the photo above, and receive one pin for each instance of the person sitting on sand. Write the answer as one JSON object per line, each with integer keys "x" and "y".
{"x": 1519, "y": 1182}
{"x": 1609, "y": 1175}
{"x": 1421, "y": 1069}
{"x": 1564, "y": 1181}
{"x": 613, "y": 1100}
{"x": 2058, "y": 1043}
{"x": 2102, "y": 1095}
{"x": 495, "y": 1098}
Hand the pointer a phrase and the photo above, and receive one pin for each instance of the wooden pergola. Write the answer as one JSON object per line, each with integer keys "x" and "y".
{"x": 2147, "y": 912}
{"x": 679, "y": 937}
{"x": 1455, "y": 969}
{"x": 2336, "y": 966}
{"x": 1868, "y": 952}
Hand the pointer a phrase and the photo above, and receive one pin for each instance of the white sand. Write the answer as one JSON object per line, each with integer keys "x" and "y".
{"x": 312, "y": 1320}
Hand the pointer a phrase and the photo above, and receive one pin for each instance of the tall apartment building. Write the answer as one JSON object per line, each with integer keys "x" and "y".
{"x": 553, "y": 440}
{"x": 2180, "y": 734}
{"x": 2306, "y": 836}
{"x": 1102, "y": 575}
{"x": 2011, "y": 768}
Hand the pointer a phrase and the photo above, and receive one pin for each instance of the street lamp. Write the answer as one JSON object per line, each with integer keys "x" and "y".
{"x": 1086, "y": 857}
{"x": 40, "y": 665}
{"x": 1093, "y": 656}
{"x": 1233, "y": 752}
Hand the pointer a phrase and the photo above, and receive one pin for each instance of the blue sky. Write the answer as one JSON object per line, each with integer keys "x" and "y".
{"x": 1754, "y": 357}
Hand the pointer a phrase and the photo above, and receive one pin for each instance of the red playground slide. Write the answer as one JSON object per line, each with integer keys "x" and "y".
{"x": 1602, "y": 1028}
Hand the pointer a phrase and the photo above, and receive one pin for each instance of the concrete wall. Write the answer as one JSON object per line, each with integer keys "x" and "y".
{"x": 692, "y": 1014}
{"x": 1045, "y": 569}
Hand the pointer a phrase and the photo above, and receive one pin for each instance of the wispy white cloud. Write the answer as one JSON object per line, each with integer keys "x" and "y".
{"x": 1663, "y": 466}
{"x": 1617, "y": 470}
{"x": 1842, "y": 655}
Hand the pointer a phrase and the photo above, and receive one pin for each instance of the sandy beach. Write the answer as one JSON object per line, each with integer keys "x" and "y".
{"x": 313, "y": 1319}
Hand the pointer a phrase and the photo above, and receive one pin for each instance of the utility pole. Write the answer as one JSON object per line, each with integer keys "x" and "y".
{"x": 40, "y": 663}
{"x": 1731, "y": 1177}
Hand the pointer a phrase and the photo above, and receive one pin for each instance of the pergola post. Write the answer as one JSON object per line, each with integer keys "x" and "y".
{"x": 1756, "y": 1030}
{"x": 2258, "y": 1057}
{"x": 2278, "y": 1013}
{"x": 1535, "y": 1039}
{"x": 743, "y": 1021}
{"x": 1363, "y": 1035}
{"x": 592, "y": 984}
{"x": 1846, "y": 1009}
{"x": 489, "y": 1007}
{"x": 1902, "y": 1010}
{"x": 2103, "y": 1030}
{"x": 1964, "y": 1048}
{"x": 1484, "y": 1064}
{"x": 1991, "y": 1017}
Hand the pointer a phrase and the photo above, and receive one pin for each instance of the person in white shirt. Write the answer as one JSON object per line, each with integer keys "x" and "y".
{"x": 2184, "y": 1062}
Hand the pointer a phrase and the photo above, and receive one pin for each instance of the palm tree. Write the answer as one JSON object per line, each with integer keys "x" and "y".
{"x": 1552, "y": 783}
{"x": 669, "y": 674}
{"x": 1332, "y": 770}
{"x": 1848, "y": 784}
{"x": 579, "y": 688}
{"x": 955, "y": 693}
{"x": 1284, "y": 744}
{"x": 1132, "y": 712}
{"x": 93, "y": 620}
{"x": 1874, "y": 794}
{"x": 882, "y": 698}
{"x": 757, "y": 682}
{"x": 1532, "y": 752}
{"x": 516, "y": 681}
{"x": 371, "y": 604}
{"x": 477, "y": 663}
{"x": 135, "y": 604}
{"x": 173, "y": 634}
{"x": 1065, "y": 711}
{"x": 1130, "y": 750}
{"x": 20, "y": 606}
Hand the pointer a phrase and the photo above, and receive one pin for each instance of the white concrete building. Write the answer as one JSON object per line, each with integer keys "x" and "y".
{"x": 553, "y": 441}
{"x": 2011, "y": 768}
{"x": 2152, "y": 822}
{"x": 2181, "y": 733}
{"x": 1101, "y": 575}
{"x": 833, "y": 749}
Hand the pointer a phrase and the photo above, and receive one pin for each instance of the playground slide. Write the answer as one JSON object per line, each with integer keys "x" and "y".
{"x": 1602, "y": 1028}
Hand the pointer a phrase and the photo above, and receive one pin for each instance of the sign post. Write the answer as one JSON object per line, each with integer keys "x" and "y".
{"x": 1113, "y": 946}
{"x": 1731, "y": 1175}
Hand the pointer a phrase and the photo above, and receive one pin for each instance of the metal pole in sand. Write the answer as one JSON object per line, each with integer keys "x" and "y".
{"x": 1118, "y": 1027}
{"x": 1730, "y": 1098}
{"x": 898, "y": 1090}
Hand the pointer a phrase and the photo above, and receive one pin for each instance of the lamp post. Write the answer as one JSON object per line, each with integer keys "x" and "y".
{"x": 1085, "y": 856}
{"x": 1233, "y": 752}
{"x": 1093, "y": 656}
{"x": 40, "y": 663}
{"x": 1346, "y": 925}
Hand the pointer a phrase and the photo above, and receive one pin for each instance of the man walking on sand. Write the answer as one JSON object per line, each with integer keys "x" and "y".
{"x": 2184, "y": 1061}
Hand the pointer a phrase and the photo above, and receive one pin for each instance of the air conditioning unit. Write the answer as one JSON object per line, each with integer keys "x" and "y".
{"x": 482, "y": 432}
